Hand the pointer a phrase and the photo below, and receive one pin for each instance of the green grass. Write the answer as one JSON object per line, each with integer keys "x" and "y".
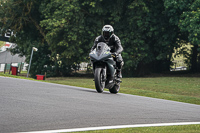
{"x": 2, "y": 43}
{"x": 21, "y": 76}
{"x": 183, "y": 89}
{"x": 164, "y": 129}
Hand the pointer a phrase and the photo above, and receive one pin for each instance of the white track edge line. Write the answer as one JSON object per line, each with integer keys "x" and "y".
{"x": 113, "y": 127}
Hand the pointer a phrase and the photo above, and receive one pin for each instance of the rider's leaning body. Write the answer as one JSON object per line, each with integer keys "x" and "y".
{"x": 114, "y": 43}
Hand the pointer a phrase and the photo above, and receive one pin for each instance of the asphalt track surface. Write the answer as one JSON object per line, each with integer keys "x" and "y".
{"x": 27, "y": 105}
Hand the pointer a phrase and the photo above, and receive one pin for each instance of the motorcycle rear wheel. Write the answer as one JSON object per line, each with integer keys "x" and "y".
{"x": 99, "y": 83}
{"x": 115, "y": 89}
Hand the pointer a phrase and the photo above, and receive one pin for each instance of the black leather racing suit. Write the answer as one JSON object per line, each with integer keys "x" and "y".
{"x": 115, "y": 45}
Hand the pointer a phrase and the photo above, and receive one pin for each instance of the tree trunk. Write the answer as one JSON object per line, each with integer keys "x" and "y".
{"x": 194, "y": 59}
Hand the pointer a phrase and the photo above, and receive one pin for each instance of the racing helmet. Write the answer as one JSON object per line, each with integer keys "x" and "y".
{"x": 107, "y": 32}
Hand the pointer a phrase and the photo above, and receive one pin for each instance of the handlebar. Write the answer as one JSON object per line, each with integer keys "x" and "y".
{"x": 114, "y": 55}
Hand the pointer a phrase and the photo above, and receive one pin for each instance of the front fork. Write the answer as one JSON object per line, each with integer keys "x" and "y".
{"x": 104, "y": 73}
{"x": 104, "y": 76}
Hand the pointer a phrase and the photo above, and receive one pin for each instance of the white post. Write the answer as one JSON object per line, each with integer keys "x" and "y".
{"x": 35, "y": 49}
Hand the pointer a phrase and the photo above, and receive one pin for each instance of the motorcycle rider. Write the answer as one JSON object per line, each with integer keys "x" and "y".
{"x": 114, "y": 43}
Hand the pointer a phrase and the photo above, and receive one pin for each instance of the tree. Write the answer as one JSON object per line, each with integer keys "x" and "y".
{"x": 64, "y": 22}
{"x": 150, "y": 38}
{"x": 65, "y": 30}
{"x": 23, "y": 18}
{"x": 189, "y": 23}
{"x": 184, "y": 15}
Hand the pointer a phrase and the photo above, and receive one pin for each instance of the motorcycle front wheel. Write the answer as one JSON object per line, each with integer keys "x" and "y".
{"x": 98, "y": 77}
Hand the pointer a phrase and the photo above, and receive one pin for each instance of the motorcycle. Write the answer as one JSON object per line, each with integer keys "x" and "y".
{"x": 104, "y": 69}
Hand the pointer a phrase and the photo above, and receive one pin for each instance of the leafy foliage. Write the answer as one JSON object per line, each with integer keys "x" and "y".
{"x": 185, "y": 14}
{"x": 64, "y": 31}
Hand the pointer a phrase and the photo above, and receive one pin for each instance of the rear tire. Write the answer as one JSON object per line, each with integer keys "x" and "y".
{"x": 99, "y": 83}
{"x": 115, "y": 89}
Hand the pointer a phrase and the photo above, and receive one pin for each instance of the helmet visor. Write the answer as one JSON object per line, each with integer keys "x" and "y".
{"x": 106, "y": 34}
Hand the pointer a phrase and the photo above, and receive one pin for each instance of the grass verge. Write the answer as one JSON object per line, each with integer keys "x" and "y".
{"x": 2, "y": 43}
{"x": 182, "y": 89}
{"x": 164, "y": 129}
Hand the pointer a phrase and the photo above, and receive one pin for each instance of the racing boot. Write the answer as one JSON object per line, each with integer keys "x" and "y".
{"x": 119, "y": 73}
{"x": 110, "y": 80}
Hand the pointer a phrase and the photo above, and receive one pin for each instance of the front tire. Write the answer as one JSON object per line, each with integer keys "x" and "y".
{"x": 99, "y": 83}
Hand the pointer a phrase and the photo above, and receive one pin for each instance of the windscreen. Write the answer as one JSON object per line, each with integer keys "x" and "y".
{"x": 101, "y": 47}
